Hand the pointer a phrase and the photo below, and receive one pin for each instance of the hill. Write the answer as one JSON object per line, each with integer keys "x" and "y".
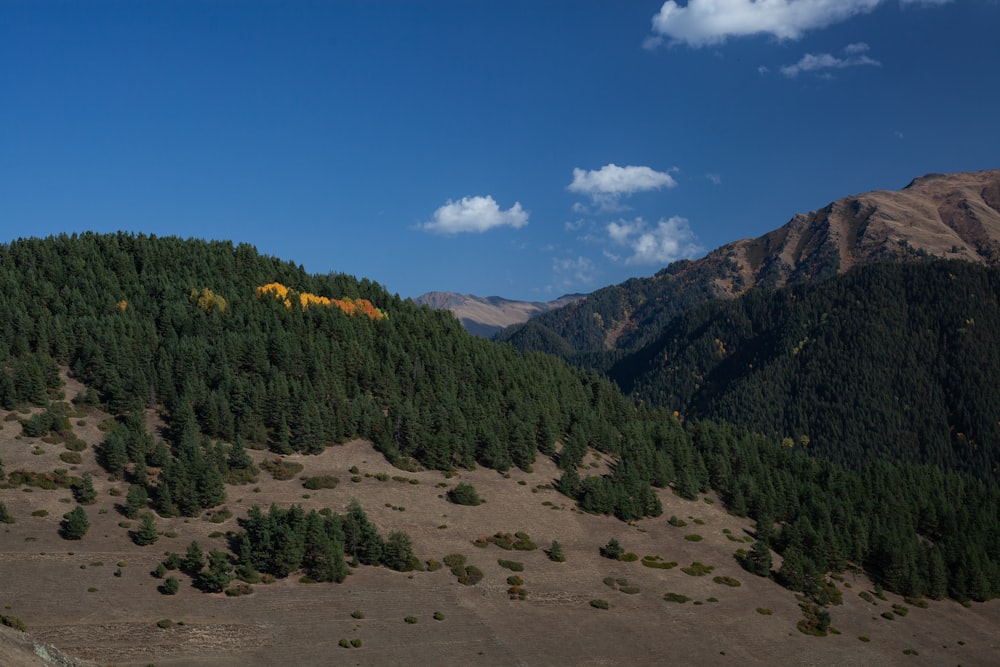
{"x": 68, "y": 593}
{"x": 229, "y": 408}
{"x": 484, "y": 316}
{"x": 952, "y": 216}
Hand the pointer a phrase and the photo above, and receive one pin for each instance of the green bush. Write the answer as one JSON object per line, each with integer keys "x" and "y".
{"x": 630, "y": 590}
{"x": 239, "y": 590}
{"x": 677, "y": 523}
{"x": 514, "y": 580}
{"x": 676, "y": 597}
{"x": 72, "y": 458}
{"x": 344, "y": 643}
{"x": 170, "y": 586}
{"x": 464, "y": 494}
{"x": 764, "y": 611}
{"x": 164, "y": 623}
{"x": 438, "y": 616}
{"x": 599, "y": 604}
{"x": 473, "y": 575}
{"x": 454, "y": 561}
{"x": 697, "y": 569}
{"x": 13, "y": 622}
{"x": 280, "y": 469}
{"x": 321, "y": 482}
{"x": 358, "y": 614}
{"x": 656, "y": 563}
{"x": 727, "y": 581}
{"x": 512, "y": 565}
{"x": 410, "y": 619}
{"x": 628, "y": 557}
{"x": 612, "y": 549}
{"x": 693, "y": 537}
{"x": 356, "y": 643}
{"x": 816, "y": 621}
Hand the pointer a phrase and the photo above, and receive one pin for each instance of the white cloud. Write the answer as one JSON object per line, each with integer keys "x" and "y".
{"x": 855, "y": 55}
{"x": 670, "y": 240}
{"x": 475, "y": 214}
{"x": 570, "y": 274}
{"x": 703, "y": 22}
{"x": 608, "y": 185}
{"x": 616, "y": 181}
{"x": 716, "y": 179}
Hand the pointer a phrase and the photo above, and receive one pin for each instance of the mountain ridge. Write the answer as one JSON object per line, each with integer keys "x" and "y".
{"x": 954, "y": 216}
{"x": 484, "y": 316}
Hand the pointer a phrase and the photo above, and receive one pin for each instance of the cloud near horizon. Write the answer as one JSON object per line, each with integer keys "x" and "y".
{"x": 570, "y": 274}
{"x": 704, "y": 22}
{"x": 670, "y": 240}
{"x": 474, "y": 214}
{"x": 855, "y": 55}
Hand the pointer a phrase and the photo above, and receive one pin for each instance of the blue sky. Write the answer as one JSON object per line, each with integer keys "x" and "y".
{"x": 518, "y": 148}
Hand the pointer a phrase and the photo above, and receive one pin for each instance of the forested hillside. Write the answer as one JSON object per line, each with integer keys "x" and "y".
{"x": 240, "y": 350}
{"x": 888, "y": 362}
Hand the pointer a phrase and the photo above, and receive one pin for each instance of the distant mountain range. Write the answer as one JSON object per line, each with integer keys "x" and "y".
{"x": 954, "y": 216}
{"x": 484, "y": 316}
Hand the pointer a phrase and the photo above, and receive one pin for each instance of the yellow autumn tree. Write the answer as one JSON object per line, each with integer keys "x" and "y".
{"x": 306, "y": 299}
{"x": 207, "y": 300}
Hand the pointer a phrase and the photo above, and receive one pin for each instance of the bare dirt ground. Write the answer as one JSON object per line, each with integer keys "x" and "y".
{"x": 67, "y": 594}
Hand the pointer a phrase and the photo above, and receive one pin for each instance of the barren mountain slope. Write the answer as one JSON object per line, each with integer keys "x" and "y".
{"x": 955, "y": 216}
{"x": 484, "y": 316}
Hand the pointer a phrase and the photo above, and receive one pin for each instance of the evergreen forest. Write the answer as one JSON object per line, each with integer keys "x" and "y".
{"x": 238, "y": 350}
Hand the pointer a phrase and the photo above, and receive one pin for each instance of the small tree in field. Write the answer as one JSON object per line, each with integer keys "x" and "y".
{"x": 170, "y": 586}
{"x": 612, "y": 550}
{"x": 75, "y": 524}
{"x": 556, "y": 552}
{"x": 464, "y": 494}
{"x": 84, "y": 491}
{"x": 146, "y": 533}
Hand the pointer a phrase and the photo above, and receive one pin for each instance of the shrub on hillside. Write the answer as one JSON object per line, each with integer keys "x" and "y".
{"x": 464, "y": 494}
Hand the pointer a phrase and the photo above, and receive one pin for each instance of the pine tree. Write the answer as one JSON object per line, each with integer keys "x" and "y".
{"x": 146, "y": 533}
{"x": 758, "y": 561}
{"x": 612, "y": 550}
{"x": 170, "y": 586}
{"x": 193, "y": 560}
{"x": 556, "y": 552}
{"x": 136, "y": 499}
{"x": 398, "y": 552}
{"x": 5, "y": 516}
{"x": 75, "y": 524}
{"x": 84, "y": 492}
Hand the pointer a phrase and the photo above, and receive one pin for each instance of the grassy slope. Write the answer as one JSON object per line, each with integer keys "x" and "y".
{"x": 47, "y": 582}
